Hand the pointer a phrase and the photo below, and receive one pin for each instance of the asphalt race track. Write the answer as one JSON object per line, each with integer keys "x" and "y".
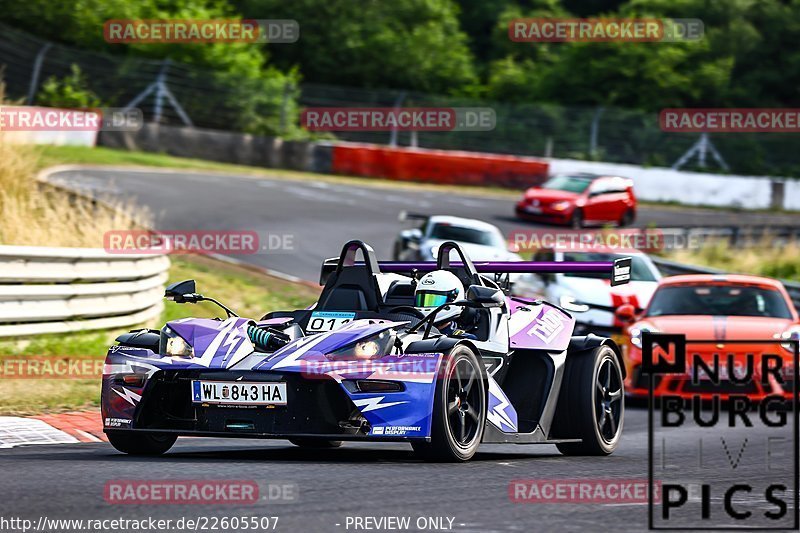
{"x": 67, "y": 481}
{"x": 322, "y": 216}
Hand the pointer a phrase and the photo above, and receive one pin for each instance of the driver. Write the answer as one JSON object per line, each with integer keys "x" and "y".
{"x": 438, "y": 288}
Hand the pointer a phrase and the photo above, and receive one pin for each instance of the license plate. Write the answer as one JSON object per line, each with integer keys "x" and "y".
{"x": 328, "y": 320}
{"x": 238, "y": 393}
{"x": 535, "y": 210}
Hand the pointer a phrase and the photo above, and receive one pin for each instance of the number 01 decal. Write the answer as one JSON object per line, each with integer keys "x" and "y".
{"x": 328, "y": 320}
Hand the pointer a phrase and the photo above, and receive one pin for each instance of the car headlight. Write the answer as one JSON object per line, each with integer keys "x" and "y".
{"x": 174, "y": 345}
{"x": 433, "y": 251}
{"x": 570, "y": 303}
{"x": 560, "y": 206}
{"x": 371, "y": 347}
{"x": 793, "y": 334}
{"x": 636, "y": 333}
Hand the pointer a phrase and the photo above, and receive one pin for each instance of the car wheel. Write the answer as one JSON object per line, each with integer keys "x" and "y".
{"x": 591, "y": 405}
{"x": 396, "y": 249}
{"x": 576, "y": 222}
{"x": 459, "y": 410}
{"x": 315, "y": 443}
{"x": 135, "y": 443}
{"x": 628, "y": 218}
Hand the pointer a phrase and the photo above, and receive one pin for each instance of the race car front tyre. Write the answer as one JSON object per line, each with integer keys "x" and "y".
{"x": 316, "y": 443}
{"x": 459, "y": 409}
{"x": 591, "y": 405}
{"x": 135, "y": 443}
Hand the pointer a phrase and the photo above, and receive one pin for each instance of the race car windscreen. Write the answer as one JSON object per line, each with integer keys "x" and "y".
{"x": 576, "y": 184}
{"x": 639, "y": 269}
{"x": 718, "y": 300}
{"x": 449, "y": 232}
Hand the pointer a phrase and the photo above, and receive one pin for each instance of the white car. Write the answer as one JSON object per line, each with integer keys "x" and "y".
{"x": 480, "y": 240}
{"x": 590, "y": 298}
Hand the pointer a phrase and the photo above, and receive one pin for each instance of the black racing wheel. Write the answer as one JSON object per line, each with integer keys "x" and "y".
{"x": 140, "y": 443}
{"x": 459, "y": 409}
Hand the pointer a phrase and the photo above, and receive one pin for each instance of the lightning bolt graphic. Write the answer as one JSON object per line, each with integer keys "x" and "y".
{"x": 498, "y": 416}
{"x": 374, "y": 403}
{"x": 129, "y": 396}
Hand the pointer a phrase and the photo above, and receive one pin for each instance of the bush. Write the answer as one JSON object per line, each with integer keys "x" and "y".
{"x": 71, "y": 91}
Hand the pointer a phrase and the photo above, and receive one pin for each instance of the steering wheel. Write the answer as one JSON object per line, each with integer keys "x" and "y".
{"x": 407, "y": 310}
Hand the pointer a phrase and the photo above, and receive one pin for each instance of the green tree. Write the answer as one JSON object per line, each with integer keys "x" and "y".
{"x": 411, "y": 44}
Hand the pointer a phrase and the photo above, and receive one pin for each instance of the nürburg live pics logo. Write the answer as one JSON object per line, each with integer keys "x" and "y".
{"x": 722, "y": 433}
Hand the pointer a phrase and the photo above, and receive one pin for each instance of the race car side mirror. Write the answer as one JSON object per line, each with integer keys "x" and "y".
{"x": 485, "y": 297}
{"x": 625, "y": 313}
{"x": 181, "y": 291}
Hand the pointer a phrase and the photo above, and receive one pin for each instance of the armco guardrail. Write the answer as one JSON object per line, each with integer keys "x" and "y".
{"x": 57, "y": 290}
{"x": 671, "y": 268}
{"x": 738, "y": 236}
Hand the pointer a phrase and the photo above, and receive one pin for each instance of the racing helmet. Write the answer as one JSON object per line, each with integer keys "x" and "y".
{"x": 438, "y": 288}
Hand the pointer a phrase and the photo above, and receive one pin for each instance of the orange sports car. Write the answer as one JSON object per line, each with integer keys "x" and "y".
{"x": 720, "y": 308}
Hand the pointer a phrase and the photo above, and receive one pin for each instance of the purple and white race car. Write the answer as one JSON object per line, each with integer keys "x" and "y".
{"x": 365, "y": 364}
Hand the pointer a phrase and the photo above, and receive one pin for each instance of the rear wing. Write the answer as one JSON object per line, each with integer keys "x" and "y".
{"x": 405, "y": 216}
{"x": 619, "y": 270}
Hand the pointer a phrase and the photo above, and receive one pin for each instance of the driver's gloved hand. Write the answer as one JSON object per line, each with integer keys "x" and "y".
{"x": 460, "y": 333}
{"x": 468, "y": 319}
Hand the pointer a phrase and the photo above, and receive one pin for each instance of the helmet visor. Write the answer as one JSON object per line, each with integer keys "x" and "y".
{"x": 433, "y": 298}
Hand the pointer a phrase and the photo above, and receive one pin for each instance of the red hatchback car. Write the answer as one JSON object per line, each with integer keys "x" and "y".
{"x": 580, "y": 200}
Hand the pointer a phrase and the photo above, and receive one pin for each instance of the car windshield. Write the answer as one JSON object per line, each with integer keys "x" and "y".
{"x": 576, "y": 184}
{"x": 449, "y": 232}
{"x": 639, "y": 269}
{"x": 722, "y": 300}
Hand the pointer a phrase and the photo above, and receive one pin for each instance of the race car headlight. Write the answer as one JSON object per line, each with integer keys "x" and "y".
{"x": 792, "y": 334}
{"x": 570, "y": 303}
{"x": 369, "y": 348}
{"x": 560, "y": 206}
{"x": 636, "y": 333}
{"x": 174, "y": 345}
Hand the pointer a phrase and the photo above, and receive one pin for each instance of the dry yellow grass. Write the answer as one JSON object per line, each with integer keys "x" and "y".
{"x": 762, "y": 258}
{"x": 37, "y": 215}
{"x": 33, "y": 214}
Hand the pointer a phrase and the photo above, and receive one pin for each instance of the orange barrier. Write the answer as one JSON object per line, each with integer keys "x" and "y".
{"x": 438, "y": 166}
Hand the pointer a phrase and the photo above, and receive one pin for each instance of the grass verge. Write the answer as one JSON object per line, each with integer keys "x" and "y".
{"x": 247, "y": 292}
{"x": 38, "y": 216}
{"x": 762, "y": 259}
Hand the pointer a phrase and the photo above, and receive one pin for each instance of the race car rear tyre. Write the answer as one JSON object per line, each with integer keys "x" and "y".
{"x": 459, "y": 409}
{"x": 628, "y": 218}
{"x": 591, "y": 405}
{"x": 316, "y": 443}
{"x": 135, "y": 443}
{"x": 576, "y": 222}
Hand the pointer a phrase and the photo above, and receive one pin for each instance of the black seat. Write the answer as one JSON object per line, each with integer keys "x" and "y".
{"x": 352, "y": 287}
